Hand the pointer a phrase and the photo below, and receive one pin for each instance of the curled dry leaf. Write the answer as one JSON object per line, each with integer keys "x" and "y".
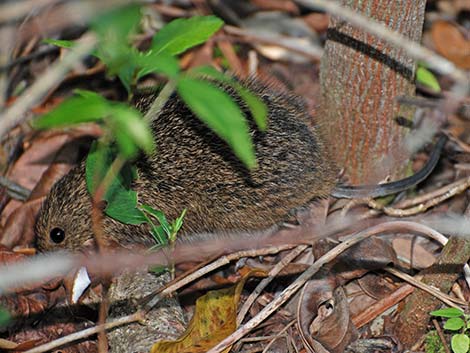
{"x": 451, "y": 43}
{"x": 376, "y": 286}
{"x": 323, "y": 317}
{"x": 323, "y": 313}
{"x": 370, "y": 254}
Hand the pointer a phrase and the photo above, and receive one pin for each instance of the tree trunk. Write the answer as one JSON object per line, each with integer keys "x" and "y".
{"x": 361, "y": 76}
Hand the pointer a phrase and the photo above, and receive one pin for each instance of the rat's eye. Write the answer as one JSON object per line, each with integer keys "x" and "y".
{"x": 57, "y": 235}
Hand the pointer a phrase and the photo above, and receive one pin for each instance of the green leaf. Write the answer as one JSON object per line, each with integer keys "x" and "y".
{"x": 454, "y": 324}
{"x": 182, "y": 34}
{"x": 427, "y": 79}
{"x": 447, "y": 312}
{"x": 131, "y": 130}
{"x": 218, "y": 110}
{"x": 159, "y": 235}
{"x": 159, "y": 269}
{"x": 126, "y": 73}
{"x": 116, "y": 25}
{"x": 160, "y": 216}
{"x": 257, "y": 108}
{"x": 178, "y": 223}
{"x": 125, "y": 143}
{"x": 156, "y": 231}
{"x": 84, "y": 93}
{"x": 161, "y": 63}
{"x": 60, "y": 43}
{"x": 114, "y": 49}
{"x": 122, "y": 205}
{"x": 460, "y": 343}
{"x": 5, "y": 317}
{"x": 121, "y": 199}
{"x": 74, "y": 110}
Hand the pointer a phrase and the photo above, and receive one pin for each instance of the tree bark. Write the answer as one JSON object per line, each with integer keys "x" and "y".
{"x": 361, "y": 76}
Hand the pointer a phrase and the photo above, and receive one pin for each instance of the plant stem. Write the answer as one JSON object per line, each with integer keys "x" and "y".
{"x": 159, "y": 102}
{"x": 97, "y": 213}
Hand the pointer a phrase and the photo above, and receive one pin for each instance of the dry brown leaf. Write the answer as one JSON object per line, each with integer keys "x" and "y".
{"x": 317, "y": 21}
{"x": 323, "y": 317}
{"x": 451, "y": 43}
{"x": 277, "y": 5}
{"x": 420, "y": 257}
{"x": 19, "y": 227}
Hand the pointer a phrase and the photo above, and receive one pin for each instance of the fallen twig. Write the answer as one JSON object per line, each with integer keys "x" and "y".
{"x": 423, "y": 202}
{"x": 446, "y": 299}
{"x": 264, "y": 283}
{"x": 86, "y": 333}
{"x": 222, "y": 261}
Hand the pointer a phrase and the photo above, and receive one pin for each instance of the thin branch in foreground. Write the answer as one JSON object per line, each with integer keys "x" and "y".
{"x": 382, "y": 305}
{"x": 312, "y": 52}
{"x": 44, "y": 83}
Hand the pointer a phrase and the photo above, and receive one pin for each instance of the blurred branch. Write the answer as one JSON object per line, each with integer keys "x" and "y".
{"x": 311, "y": 51}
{"x": 17, "y": 10}
{"x": 15, "y": 190}
{"x": 44, "y": 83}
{"x": 7, "y": 34}
{"x": 11, "y": 11}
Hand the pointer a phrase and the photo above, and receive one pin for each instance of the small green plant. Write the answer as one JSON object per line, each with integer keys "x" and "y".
{"x": 5, "y": 317}
{"x": 109, "y": 173}
{"x": 459, "y": 323}
{"x": 433, "y": 343}
{"x": 165, "y": 233}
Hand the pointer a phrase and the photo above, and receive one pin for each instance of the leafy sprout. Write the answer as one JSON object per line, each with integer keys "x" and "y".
{"x": 458, "y": 322}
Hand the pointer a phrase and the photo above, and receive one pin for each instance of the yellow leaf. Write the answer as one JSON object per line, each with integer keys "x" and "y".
{"x": 214, "y": 319}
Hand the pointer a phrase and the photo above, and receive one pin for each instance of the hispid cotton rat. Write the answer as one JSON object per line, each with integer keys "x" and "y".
{"x": 194, "y": 169}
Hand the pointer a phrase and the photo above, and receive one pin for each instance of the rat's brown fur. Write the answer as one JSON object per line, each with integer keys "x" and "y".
{"x": 196, "y": 170}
